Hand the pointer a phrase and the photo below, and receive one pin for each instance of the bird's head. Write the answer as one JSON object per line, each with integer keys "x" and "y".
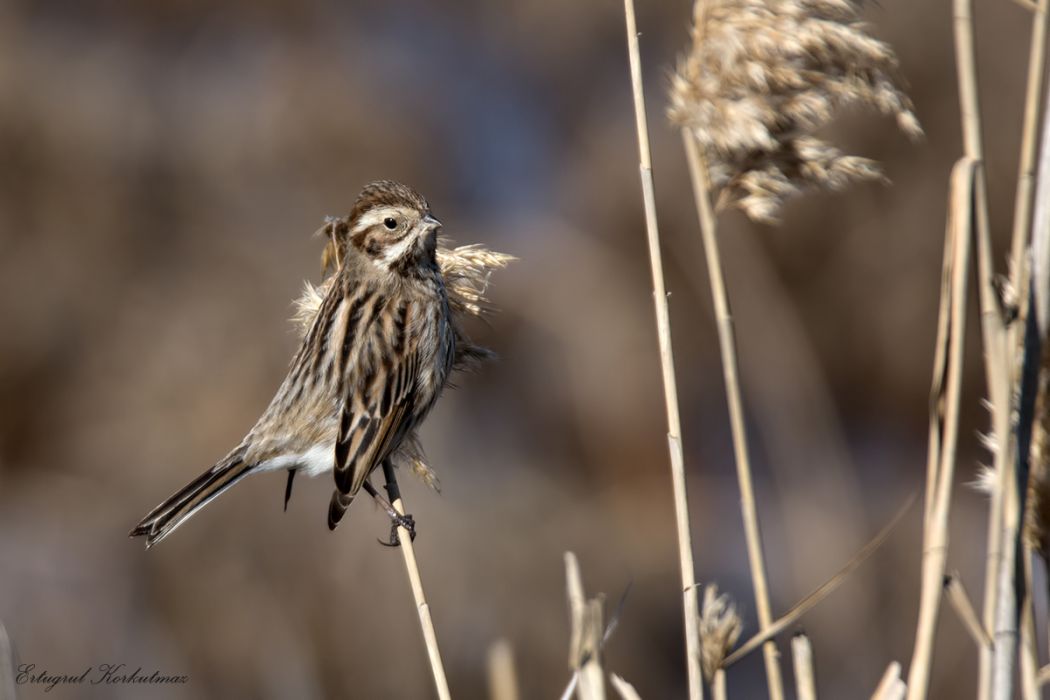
{"x": 390, "y": 225}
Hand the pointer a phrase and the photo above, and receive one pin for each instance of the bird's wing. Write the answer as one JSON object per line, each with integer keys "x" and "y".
{"x": 376, "y": 404}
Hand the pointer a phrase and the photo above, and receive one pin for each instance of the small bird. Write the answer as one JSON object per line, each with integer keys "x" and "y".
{"x": 373, "y": 360}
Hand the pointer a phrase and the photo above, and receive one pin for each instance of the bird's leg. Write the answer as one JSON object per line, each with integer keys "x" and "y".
{"x": 288, "y": 488}
{"x": 397, "y": 520}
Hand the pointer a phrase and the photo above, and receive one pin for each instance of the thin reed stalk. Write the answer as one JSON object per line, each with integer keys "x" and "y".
{"x": 718, "y": 685}
{"x": 1020, "y": 274}
{"x": 960, "y": 601}
{"x": 502, "y": 673}
{"x": 663, "y": 326}
{"x": 945, "y": 405}
{"x": 891, "y": 687}
{"x": 727, "y": 344}
{"x": 625, "y": 689}
{"x": 820, "y": 593}
{"x": 1029, "y": 144}
{"x": 1029, "y": 651}
{"x": 437, "y": 668}
{"x": 802, "y": 657}
{"x": 995, "y": 673}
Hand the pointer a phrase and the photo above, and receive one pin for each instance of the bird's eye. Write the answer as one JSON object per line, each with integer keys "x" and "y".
{"x": 390, "y": 222}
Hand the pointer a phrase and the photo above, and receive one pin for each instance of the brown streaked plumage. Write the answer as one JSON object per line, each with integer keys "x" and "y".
{"x": 372, "y": 362}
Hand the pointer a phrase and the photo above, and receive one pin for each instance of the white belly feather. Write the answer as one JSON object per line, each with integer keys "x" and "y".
{"x": 317, "y": 460}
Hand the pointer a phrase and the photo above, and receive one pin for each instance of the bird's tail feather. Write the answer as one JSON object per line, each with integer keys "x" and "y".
{"x": 174, "y": 511}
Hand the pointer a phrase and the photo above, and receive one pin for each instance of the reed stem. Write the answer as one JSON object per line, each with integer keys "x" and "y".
{"x": 663, "y": 329}
{"x": 727, "y": 344}
{"x": 416, "y": 583}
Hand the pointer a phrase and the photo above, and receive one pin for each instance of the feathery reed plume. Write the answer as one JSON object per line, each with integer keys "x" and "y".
{"x": 720, "y": 628}
{"x": 467, "y": 270}
{"x": 762, "y": 77}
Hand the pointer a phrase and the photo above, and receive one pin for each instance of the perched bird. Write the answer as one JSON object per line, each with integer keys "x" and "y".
{"x": 379, "y": 344}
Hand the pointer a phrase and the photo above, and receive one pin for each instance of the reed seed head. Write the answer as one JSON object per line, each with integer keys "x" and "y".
{"x": 720, "y": 628}
{"x": 762, "y": 77}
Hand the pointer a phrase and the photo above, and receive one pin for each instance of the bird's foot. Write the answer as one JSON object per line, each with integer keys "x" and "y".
{"x": 405, "y": 521}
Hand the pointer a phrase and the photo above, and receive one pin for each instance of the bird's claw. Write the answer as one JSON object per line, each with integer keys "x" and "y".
{"x": 405, "y": 521}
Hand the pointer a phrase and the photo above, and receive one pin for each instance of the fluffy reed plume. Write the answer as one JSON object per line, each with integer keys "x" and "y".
{"x": 720, "y": 628}
{"x": 466, "y": 270}
{"x": 762, "y": 77}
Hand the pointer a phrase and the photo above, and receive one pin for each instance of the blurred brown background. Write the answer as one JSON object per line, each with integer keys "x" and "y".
{"x": 162, "y": 166}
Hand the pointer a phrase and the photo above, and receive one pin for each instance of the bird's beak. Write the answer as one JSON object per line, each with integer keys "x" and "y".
{"x": 431, "y": 223}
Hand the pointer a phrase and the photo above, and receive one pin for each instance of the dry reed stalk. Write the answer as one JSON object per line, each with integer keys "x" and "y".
{"x": 761, "y": 78}
{"x": 802, "y": 656}
{"x": 944, "y": 418}
{"x": 960, "y": 602}
{"x": 503, "y": 676}
{"x": 727, "y": 345}
{"x": 1001, "y": 613}
{"x": 1029, "y": 653}
{"x": 803, "y": 606}
{"x": 625, "y": 689}
{"x": 718, "y": 685}
{"x": 437, "y": 668}
{"x": 1029, "y": 142}
{"x": 890, "y": 687}
{"x": 663, "y": 325}
{"x": 585, "y": 645}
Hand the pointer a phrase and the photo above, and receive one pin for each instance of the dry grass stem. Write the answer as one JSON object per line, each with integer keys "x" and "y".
{"x": 944, "y": 405}
{"x": 502, "y": 673}
{"x": 759, "y": 81}
{"x": 718, "y": 685}
{"x": 794, "y": 614}
{"x": 625, "y": 689}
{"x": 1029, "y": 650}
{"x": 1029, "y": 143}
{"x": 727, "y": 347}
{"x": 891, "y": 687}
{"x": 802, "y": 656}
{"x": 663, "y": 326}
{"x": 960, "y": 602}
{"x": 437, "y": 668}
{"x": 585, "y": 645}
{"x": 763, "y": 77}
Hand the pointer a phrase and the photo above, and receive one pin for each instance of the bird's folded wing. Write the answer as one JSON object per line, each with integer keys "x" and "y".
{"x": 376, "y": 408}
